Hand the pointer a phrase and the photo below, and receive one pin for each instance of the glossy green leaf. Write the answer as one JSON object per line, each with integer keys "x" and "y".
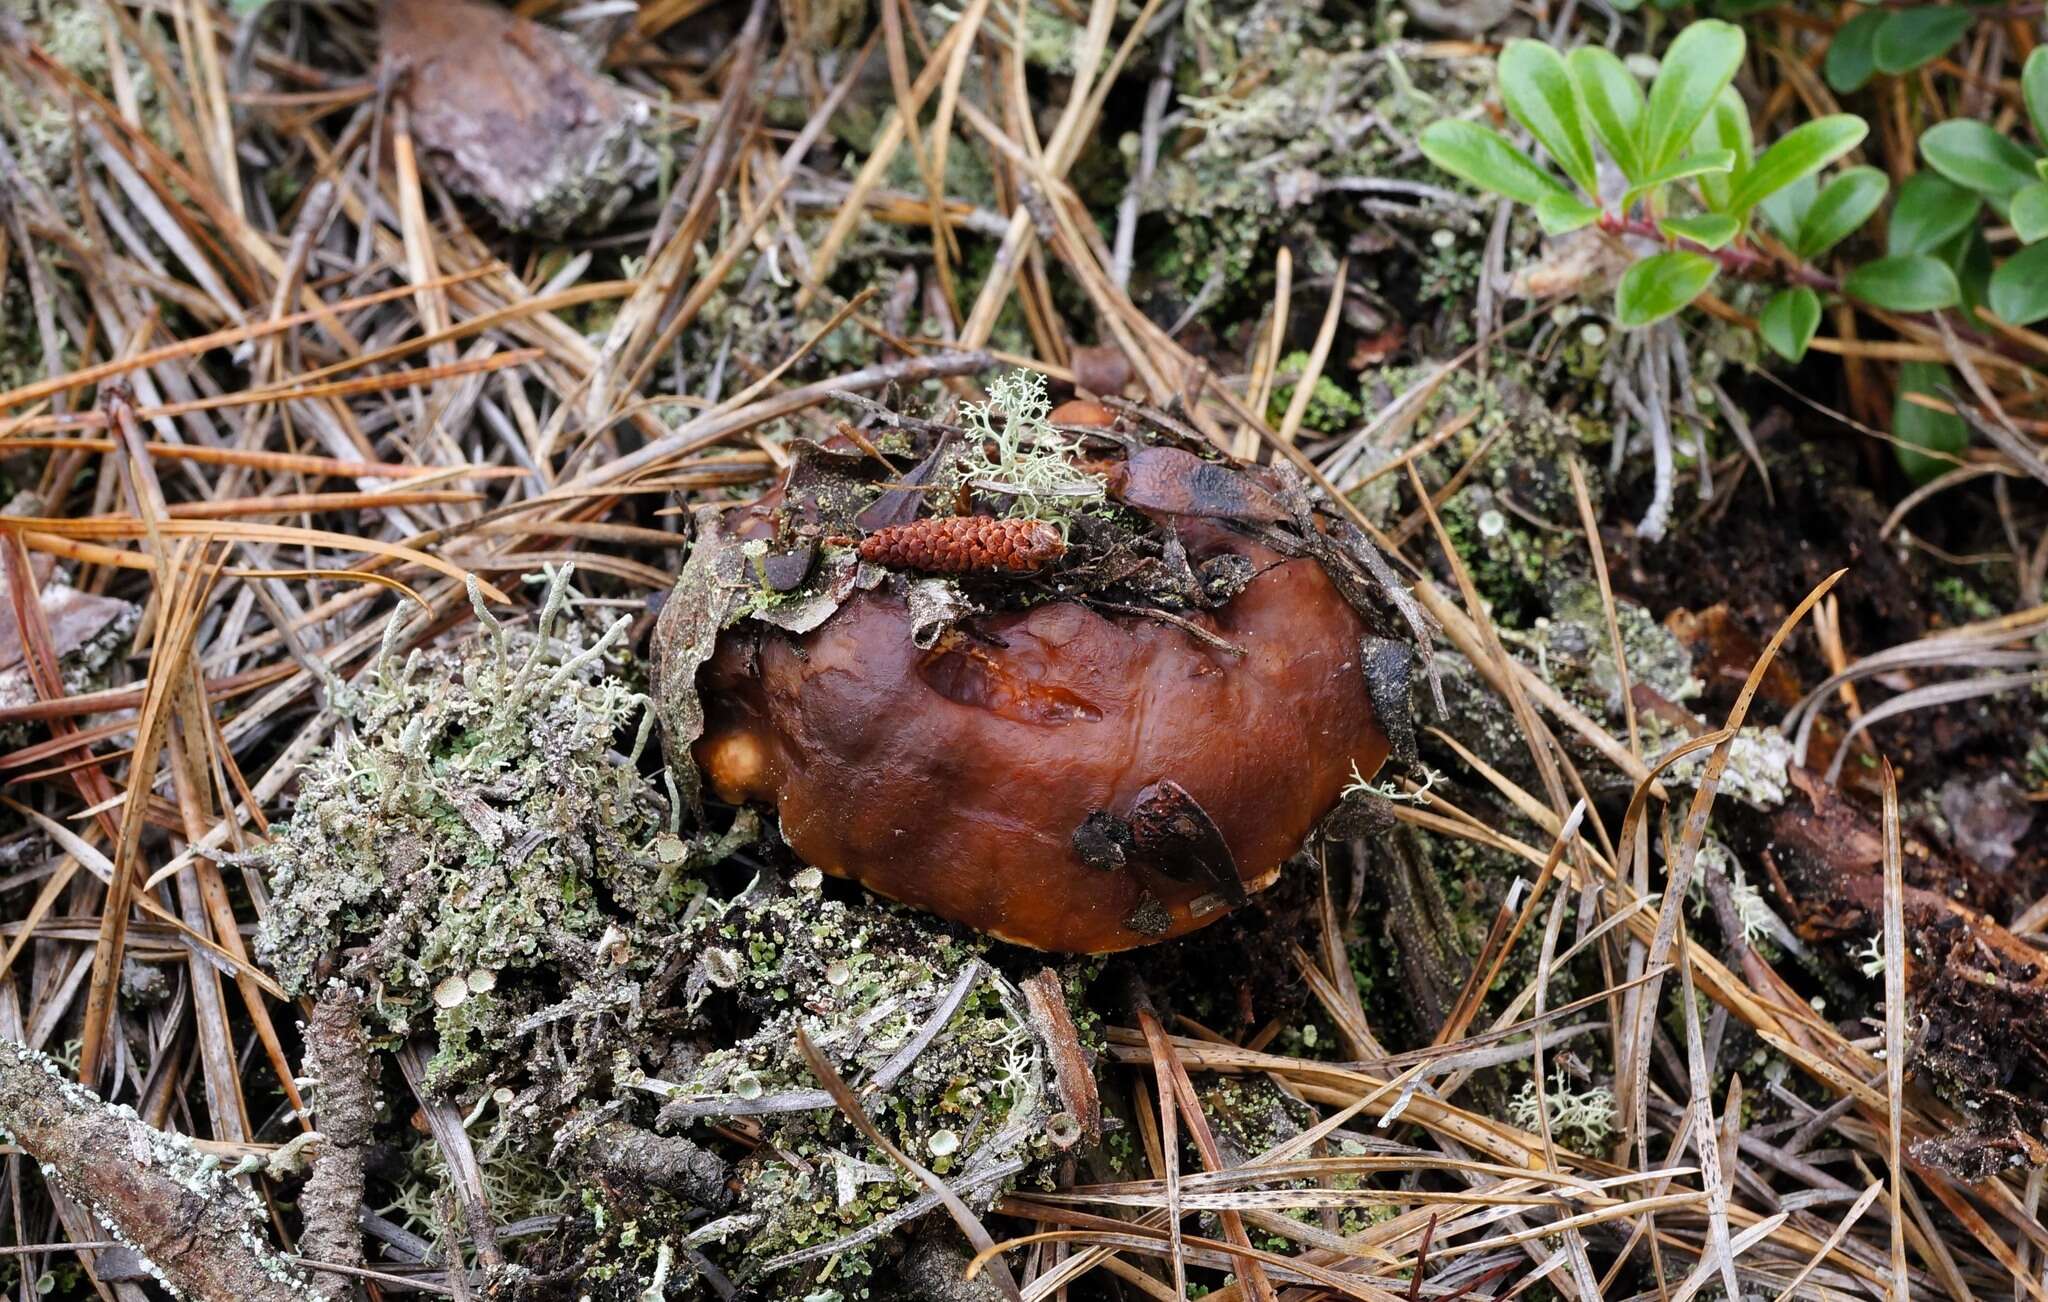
{"x": 1614, "y": 104}
{"x": 1789, "y": 322}
{"x": 1562, "y": 213}
{"x": 1787, "y": 209}
{"x": 1483, "y": 157}
{"x": 1970, "y": 256}
{"x": 1660, "y": 285}
{"x": 2030, "y": 211}
{"x": 2019, "y": 288}
{"x": 1929, "y": 213}
{"x": 1724, "y": 130}
{"x": 1841, "y": 208}
{"x": 1698, "y": 64}
{"x": 1710, "y": 230}
{"x": 1921, "y": 427}
{"x": 1851, "y": 62}
{"x": 1539, "y": 93}
{"x": 1707, "y": 164}
{"x": 2034, "y": 87}
{"x": 1973, "y": 155}
{"x": 1909, "y": 38}
{"x": 1911, "y": 282}
{"x": 1801, "y": 152}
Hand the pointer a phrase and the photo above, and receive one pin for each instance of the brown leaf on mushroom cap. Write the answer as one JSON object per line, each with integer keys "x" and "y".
{"x": 1178, "y": 482}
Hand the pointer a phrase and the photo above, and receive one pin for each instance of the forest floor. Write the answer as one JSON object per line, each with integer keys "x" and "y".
{"x": 369, "y": 374}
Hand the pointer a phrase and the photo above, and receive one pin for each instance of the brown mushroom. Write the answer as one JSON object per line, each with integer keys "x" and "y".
{"x": 1065, "y": 776}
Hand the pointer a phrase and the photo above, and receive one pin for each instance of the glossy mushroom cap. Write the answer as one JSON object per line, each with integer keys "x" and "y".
{"x": 1058, "y": 777}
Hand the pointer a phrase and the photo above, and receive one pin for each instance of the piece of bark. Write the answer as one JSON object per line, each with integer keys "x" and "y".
{"x": 87, "y": 631}
{"x": 1073, "y": 1073}
{"x": 511, "y": 117}
{"x": 202, "y": 1233}
{"x": 345, "y": 1105}
{"x": 649, "y": 1161}
{"x": 1977, "y": 994}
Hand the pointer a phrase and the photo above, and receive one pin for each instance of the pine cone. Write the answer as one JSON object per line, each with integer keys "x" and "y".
{"x": 965, "y": 544}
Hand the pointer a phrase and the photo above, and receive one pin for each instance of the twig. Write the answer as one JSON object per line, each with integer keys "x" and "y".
{"x": 176, "y": 1208}
{"x": 338, "y": 1058}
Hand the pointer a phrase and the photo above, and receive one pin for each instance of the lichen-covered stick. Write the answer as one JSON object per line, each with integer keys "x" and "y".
{"x": 201, "y": 1233}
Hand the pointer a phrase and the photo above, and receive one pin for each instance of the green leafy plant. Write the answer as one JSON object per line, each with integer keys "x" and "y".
{"x": 1682, "y": 168}
{"x": 1893, "y": 41}
{"x": 1983, "y": 166}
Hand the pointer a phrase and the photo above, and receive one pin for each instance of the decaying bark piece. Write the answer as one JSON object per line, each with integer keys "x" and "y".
{"x": 1978, "y": 994}
{"x": 1073, "y": 1073}
{"x": 617, "y": 1151}
{"x": 87, "y": 632}
{"x": 155, "y": 1192}
{"x": 511, "y": 117}
{"x": 338, "y": 1055}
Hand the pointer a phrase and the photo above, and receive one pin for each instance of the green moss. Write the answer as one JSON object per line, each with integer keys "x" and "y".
{"x": 1961, "y": 601}
{"x": 1331, "y": 409}
{"x": 1286, "y": 105}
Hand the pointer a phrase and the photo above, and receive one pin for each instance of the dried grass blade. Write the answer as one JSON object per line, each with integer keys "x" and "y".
{"x": 1894, "y": 1014}
{"x": 1190, "y": 1107}
{"x": 237, "y": 531}
{"x": 86, "y": 375}
{"x": 1319, "y": 353}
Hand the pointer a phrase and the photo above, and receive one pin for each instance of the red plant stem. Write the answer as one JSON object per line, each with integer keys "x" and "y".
{"x": 1752, "y": 265}
{"x": 1743, "y": 262}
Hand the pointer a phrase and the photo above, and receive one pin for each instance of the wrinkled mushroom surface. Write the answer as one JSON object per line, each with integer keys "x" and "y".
{"x": 962, "y": 779}
{"x": 1070, "y": 761}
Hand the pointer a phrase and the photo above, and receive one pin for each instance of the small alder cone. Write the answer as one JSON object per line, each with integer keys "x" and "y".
{"x": 965, "y": 544}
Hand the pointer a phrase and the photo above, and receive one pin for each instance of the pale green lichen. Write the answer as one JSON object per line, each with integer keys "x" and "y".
{"x": 1288, "y": 106}
{"x": 1580, "y": 1119}
{"x": 1572, "y": 648}
{"x": 1012, "y": 450}
{"x": 1752, "y": 914}
{"x": 475, "y": 823}
{"x": 1758, "y": 771}
{"x": 865, "y": 982}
